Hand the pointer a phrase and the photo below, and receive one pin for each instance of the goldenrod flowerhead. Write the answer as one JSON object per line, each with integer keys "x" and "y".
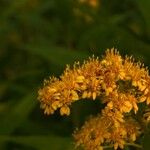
{"x": 120, "y": 83}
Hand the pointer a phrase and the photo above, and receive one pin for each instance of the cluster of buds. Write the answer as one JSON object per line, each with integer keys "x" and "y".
{"x": 120, "y": 83}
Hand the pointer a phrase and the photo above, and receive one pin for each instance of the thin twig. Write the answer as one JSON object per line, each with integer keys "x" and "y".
{"x": 134, "y": 145}
{"x": 127, "y": 144}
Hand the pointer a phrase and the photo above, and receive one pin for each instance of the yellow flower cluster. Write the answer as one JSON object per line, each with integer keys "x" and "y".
{"x": 120, "y": 83}
{"x": 99, "y": 132}
{"x": 110, "y": 129}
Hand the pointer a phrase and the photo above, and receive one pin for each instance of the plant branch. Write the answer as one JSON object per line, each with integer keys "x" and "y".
{"x": 127, "y": 144}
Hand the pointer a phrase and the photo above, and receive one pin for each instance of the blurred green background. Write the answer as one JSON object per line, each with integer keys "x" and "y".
{"x": 37, "y": 39}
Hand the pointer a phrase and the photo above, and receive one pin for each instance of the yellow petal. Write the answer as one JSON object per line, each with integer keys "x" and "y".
{"x": 103, "y": 85}
{"x": 80, "y": 79}
{"x": 142, "y": 99}
{"x": 89, "y": 94}
{"x": 84, "y": 95}
{"x": 122, "y": 75}
{"x": 121, "y": 144}
{"x": 116, "y": 146}
{"x": 108, "y": 90}
{"x": 128, "y": 105}
{"x": 148, "y": 101}
{"x": 104, "y": 62}
{"x": 65, "y": 110}
{"x": 51, "y": 90}
{"x": 148, "y": 118}
{"x": 74, "y": 95}
{"x": 100, "y": 148}
{"x": 125, "y": 109}
{"x": 48, "y": 111}
{"x": 55, "y": 105}
{"x": 94, "y": 95}
{"x": 135, "y": 108}
{"x": 83, "y": 87}
{"x": 110, "y": 105}
{"x": 133, "y": 137}
{"x": 134, "y": 83}
{"x": 146, "y": 91}
{"x": 56, "y": 96}
{"x": 142, "y": 88}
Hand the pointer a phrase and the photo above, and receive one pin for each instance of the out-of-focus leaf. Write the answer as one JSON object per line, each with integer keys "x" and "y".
{"x": 144, "y": 6}
{"x": 57, "y": 55}
{"x": 146, "y": 143}
{"x": 40, "y": 142}
{"x": 3, "y": 87}
{"x": 129, "y": 44}
{"x": 18, "y": 114}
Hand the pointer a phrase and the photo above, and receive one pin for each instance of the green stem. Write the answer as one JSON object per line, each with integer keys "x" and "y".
{"x": 134, "y": 145}
{"x": 109, "y": 146}
{"x": 127, "y": 144}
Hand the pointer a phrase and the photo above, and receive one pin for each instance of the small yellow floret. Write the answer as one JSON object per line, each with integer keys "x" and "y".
{"x": 65, "y": 110}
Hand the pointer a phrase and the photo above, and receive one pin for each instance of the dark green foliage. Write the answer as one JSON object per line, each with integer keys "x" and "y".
{"x": 37, "y": 39}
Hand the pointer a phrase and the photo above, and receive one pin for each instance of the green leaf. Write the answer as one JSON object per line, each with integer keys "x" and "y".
{"x": 144, "y": 6}
{"x": 146, "y": 143}
{"x": 39, "y": 142}
{"x": 17, "y": 115}
{"x": 56, "y": 55}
